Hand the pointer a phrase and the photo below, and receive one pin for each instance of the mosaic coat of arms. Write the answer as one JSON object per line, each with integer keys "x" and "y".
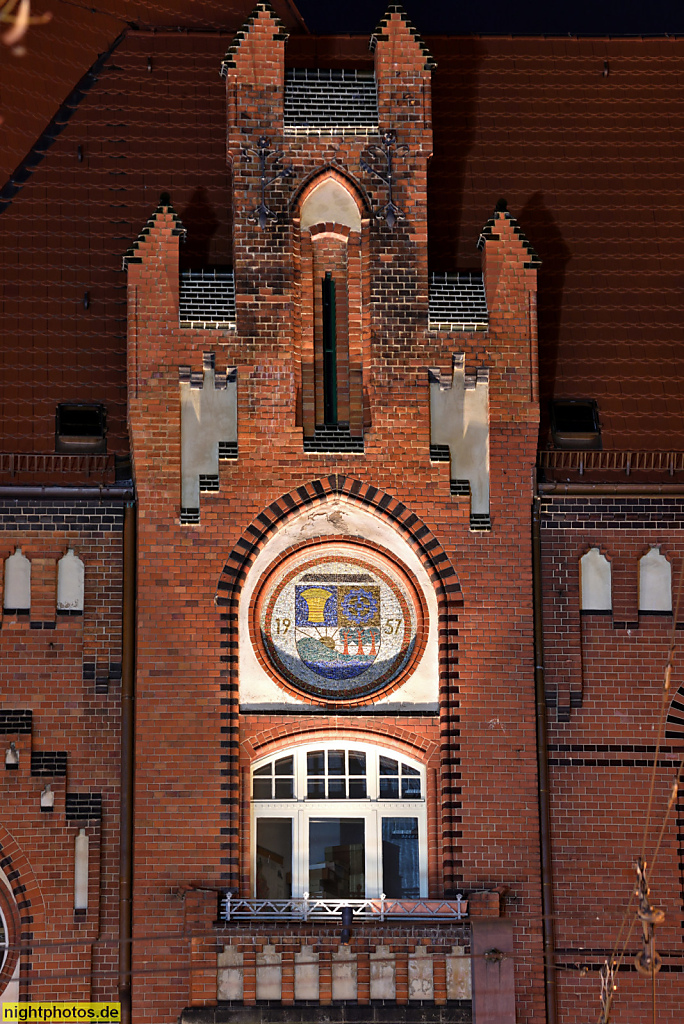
{"x": 336, "y": 625}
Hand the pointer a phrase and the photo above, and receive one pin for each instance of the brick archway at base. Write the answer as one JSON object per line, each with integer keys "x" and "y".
{"x": 449, "y": 601}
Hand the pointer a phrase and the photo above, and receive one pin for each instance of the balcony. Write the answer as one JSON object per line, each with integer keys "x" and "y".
{"x": 234, "y": 908}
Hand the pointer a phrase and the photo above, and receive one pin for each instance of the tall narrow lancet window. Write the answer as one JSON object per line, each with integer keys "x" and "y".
{"x": 329, "y": 351}
{"x": 333, "y": 329}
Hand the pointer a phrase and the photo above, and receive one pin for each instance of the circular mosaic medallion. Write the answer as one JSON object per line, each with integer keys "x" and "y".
{"x": 338, "y": 626}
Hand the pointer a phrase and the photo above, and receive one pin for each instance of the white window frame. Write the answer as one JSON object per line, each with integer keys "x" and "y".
{"x": 372, "y": 809}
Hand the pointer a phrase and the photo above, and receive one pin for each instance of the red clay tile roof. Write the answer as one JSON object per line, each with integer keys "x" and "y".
{"x": 590, "y": 165}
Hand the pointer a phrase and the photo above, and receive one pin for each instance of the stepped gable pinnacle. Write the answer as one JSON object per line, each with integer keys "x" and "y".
{"x": 165, "y": 206}
{"x": 487, "y": 233}
{"x": 263, "y": 7}
{"x": 379, "y": 33}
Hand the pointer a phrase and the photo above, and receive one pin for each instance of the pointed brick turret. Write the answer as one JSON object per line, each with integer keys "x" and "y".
{"x": 403, "y": 67}
{"x": 254, "y": 70}
{"x": 164, "y": 216}
{"x": 509, "y": 266}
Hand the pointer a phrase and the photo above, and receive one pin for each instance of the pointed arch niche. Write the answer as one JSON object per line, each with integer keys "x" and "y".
{"x": 368, "y": 547}
{"x": 331, "y": 236}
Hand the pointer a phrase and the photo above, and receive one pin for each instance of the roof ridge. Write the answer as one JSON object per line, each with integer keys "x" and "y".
{"x": 487, "y": 233}
{"x": 165, "y": 206}
{"x": 263, "y": 7}
{"x": 379, "y": 33}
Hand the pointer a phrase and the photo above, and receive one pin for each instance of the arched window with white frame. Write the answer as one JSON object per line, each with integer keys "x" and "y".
{"x": 339, "y": 820}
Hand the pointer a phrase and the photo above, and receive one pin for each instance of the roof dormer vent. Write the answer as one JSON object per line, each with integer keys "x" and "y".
{"x": 330, "y": 101}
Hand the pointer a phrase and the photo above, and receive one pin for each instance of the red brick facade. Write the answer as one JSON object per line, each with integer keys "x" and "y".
{"x": 193, "y": 745}
{"x": 61, "y": 678}
{"x": 211, "y": 699}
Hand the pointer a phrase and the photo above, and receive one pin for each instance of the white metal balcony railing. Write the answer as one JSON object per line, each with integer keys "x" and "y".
{"x": 233, "y": 908}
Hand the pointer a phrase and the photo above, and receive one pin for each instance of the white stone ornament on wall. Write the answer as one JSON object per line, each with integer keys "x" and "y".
{"x": 208, "y": 420}
{"x": 655, "y": 582}
{"x": 595, "y": 582}
{"x": 70, "y": 583}
{"x": 459, "y": 420}
{"x": 17, "y": 593}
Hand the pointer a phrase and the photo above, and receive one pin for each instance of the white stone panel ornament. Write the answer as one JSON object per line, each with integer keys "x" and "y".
{"x": 70, "y": 583}
{"x": 655, "y": 582}
{"x": 383, "y": 971}
{"x": 458, "y": 975}
{"x": 595, "y": 582}
{"x": 459, "y": 419}
{"x": 208, "y": 415}
{"x": 344, "y": 974}
{"x": 17, "y": 582}
{"x": 420, "y": 975}
{"x": 269, "y": 973}
{"x": 230, "y": 973}
{"x": 306, "y": 974}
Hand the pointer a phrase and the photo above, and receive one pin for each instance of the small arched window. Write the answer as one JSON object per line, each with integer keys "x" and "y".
{"x": 339, "y": 821}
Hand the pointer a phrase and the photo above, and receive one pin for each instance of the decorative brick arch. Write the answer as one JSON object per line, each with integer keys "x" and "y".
{"x": 300, "y": 733}
{"x": 449, "y": 601}
{"x": 26, "y": 914}
{"x": 343, "y": 178}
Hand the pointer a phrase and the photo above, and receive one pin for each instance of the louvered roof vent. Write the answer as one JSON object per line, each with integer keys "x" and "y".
{"x": 330, "y": 101}
{"x": 207, "y": 298}
{"x": 457, "y": 302}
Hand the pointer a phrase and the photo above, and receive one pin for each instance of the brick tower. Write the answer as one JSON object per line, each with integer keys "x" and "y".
{"x": 335, "y": 703}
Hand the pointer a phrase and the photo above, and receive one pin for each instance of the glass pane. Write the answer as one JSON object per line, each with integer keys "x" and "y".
{"x": 406, "y": 769}
{"x": 261, "y": 789}
{"x": 284, "y": 789}
{"x": 400, "y": 873}
{"x": 336, "y": 762}
{"x": 284, "y": 766}
{"x": 337, "y": 858}
{"x": 264, "y": 770}
{"x": 315, "y": 764}
{"x": 315, "y": 789}
{"x": 357, "y": 789}
{"x": 389, "y": 789}
{"x": 410, "y": 789}
{"x": 274, "y": 858}
{"x": 388, "y": 766}
{"x": 337, "y": 789}
{"x": 357, "y": 762}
